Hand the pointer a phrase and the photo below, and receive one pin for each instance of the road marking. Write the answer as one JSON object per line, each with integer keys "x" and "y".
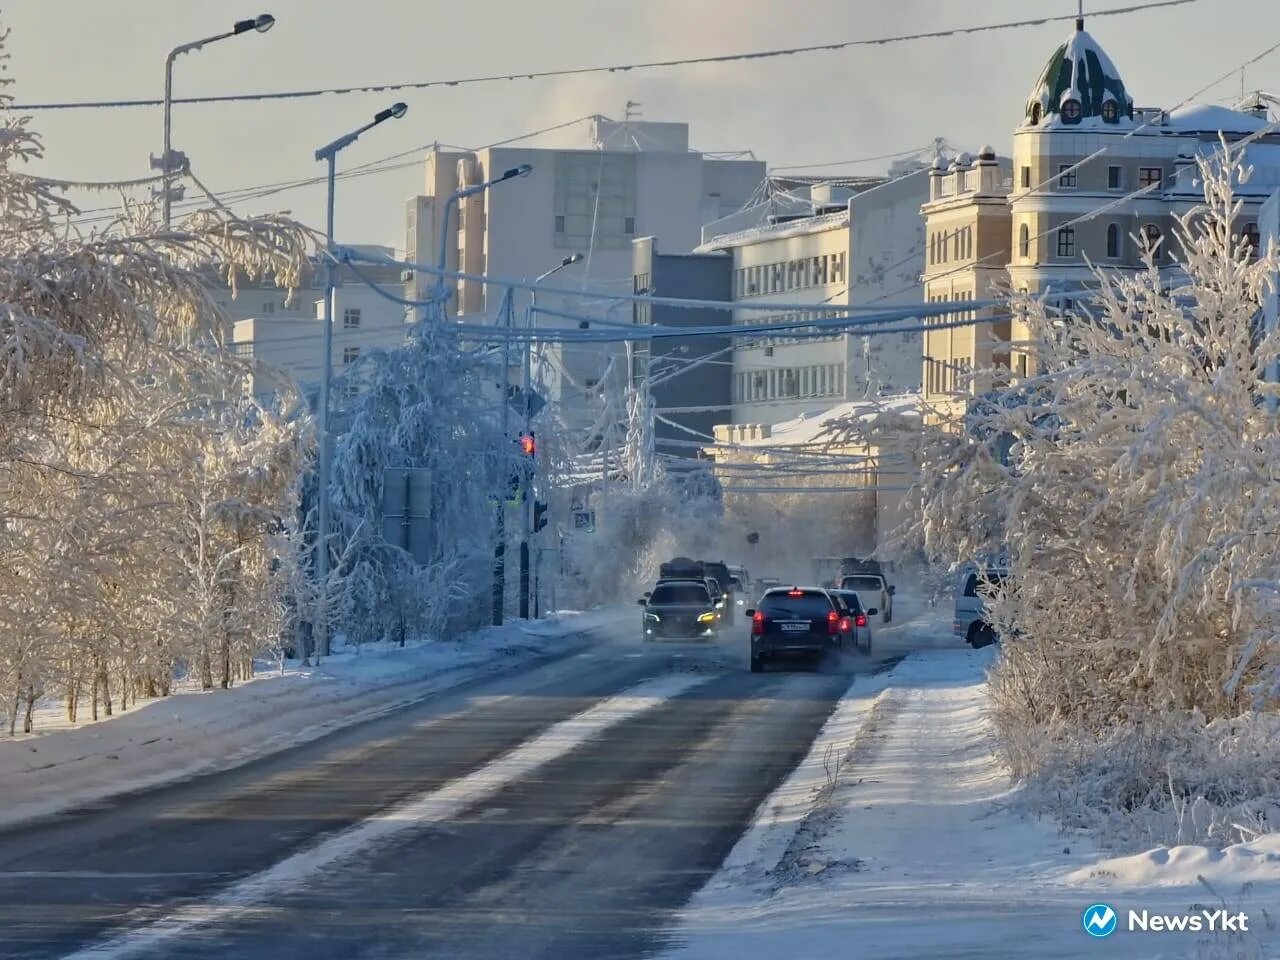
{"x": 439, "y": 805}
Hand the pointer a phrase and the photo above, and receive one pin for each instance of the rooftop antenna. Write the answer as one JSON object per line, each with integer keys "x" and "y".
{"x": 1080, "y": 15}
{"x": 630, "y": 114}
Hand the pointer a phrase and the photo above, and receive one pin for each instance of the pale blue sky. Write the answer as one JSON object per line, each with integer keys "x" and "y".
{"x": 820, "y": 107}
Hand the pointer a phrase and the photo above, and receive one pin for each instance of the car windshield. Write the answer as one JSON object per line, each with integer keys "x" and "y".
{"x": 861, "y": 583}
{"x": 807, "y": 605}
{"x": 679, "y": 593}
{"x": 735, "y": 583}
{"x": 850, "y": 600}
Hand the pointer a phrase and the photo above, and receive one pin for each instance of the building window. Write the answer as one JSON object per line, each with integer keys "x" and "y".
{"x": 629, "y": 225}
{"x": 1071, "y": 111}
{"x": 1067, "y": 176}
{"x": 1026, "y": 178}
{"x": 559, "y": 224}
{"x": 1067, "y": 242}
{"x": 1150, "y": 176}
{"x": 269, "y": 307}
{"x": 1113, "y": 178}
{"x": 1024, "y": 241}
{"x": 350, "y": 355}
{"x": 351, "y": 318}
{"x": 1113, "y": 240}
{"x": 1110, "y": 113}
{"x": 837, "y": 268}
{"x": 1151, "y": 238}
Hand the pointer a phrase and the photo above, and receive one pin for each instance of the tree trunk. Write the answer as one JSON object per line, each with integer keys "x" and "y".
{"x": 28, "y": 722}
{"x": 206, "y": 669}
{"x": 105, "y": 681}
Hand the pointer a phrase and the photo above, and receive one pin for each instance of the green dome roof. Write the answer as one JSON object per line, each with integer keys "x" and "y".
{"x": 1081, "y": 78}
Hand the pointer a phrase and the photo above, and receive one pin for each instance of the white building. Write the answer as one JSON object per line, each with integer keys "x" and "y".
{"x": 633, "y": 179}
{"x": 287, "y": 334}
{"x": 864, "y": 246}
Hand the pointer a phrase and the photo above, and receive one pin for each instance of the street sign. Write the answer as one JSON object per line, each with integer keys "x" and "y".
{"x": 584, "y": 520}
{"x": 406, "y": 510}
{"x": 515, "y": 398}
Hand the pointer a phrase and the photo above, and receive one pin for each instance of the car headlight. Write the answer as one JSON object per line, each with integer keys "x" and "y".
{"x": 719, "y": 604}
{"x": 707, "y": 617}
{"x": 740, "y": 602}
{"x": 654, "y": 617}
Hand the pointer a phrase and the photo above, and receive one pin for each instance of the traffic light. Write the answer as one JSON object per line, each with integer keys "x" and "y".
{"x": 539, "y": 515}
{"x": 528, "y": 445}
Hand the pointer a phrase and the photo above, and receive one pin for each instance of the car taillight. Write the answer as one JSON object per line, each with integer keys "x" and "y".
{"x": 860, "y": 620}
{"x": 757, "y": 624}
{"x": 844, "y": 624}
{"x": 833, "y": 622}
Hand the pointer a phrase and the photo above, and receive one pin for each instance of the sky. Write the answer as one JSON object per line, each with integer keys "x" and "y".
{"x": 809, "y": 109}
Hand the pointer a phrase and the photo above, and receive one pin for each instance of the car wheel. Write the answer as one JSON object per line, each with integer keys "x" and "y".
{"x": 888, "y": 611}
{"x": 867, "y": 649}
{"x": 757, "y": 664}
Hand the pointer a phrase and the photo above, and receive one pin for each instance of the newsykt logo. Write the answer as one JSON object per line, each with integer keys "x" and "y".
{"x": 1100, "y": 920}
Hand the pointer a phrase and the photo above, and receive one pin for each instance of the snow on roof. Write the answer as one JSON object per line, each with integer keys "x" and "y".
{"x": 1211, "y": 118}
{"x": 1079, "y": 70}
{"x": 1264, "y": 158}
{"x": 811, "y": 427}
{"x": 791, "y": 228}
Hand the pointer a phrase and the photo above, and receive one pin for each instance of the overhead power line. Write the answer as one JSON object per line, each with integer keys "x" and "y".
{"x": 616, "y": 68}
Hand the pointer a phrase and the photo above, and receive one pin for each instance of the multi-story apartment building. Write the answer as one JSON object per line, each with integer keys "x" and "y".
{"x": 283, "y": 329}
{"x": 1096, "y": 182}
{"x": 967, "y": 236}
{"x": 632, "y": 179}
{"x": 863, "y": 246}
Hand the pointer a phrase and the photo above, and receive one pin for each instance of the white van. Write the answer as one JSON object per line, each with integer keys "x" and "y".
{"x": 973, "y": 586}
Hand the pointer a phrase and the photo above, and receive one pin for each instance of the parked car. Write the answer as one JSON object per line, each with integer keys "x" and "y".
{"x": 873, "y": 591}
{"x": 799, "y": 622}
{"x": 861, "y": 617}
{"x": 971, "y": 620}
{"x": 679, "y": 610}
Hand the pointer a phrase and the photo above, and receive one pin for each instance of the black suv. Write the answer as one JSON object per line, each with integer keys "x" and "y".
{"x": 679, "y": 609}
{"x": 797, "y": 622}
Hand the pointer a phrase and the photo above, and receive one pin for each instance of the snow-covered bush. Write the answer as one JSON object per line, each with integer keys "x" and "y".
{"x": 1133, "y": 482}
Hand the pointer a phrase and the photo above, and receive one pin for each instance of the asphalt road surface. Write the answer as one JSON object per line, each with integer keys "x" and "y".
{"x": 563, "y": 811}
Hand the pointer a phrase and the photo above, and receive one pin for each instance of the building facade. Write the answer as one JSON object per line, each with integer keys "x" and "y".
{"x": 863, "y": 247}
{"x": 967, "y": 223}
{"x": 687, "y": 378}
{"x": 631, "y": 180}
{"x": 1096, "y": 183}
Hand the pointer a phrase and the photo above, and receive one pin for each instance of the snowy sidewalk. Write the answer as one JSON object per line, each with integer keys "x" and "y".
{"x": 896, "y": 838}
{"x": 192, "y": 732}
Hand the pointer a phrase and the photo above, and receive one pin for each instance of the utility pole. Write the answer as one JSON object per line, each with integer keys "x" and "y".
{"x": 171, "y": 162}
{"x": 526, "y": 388}
{"x": 329, "y": 154}
{"x": 500, "y": 542}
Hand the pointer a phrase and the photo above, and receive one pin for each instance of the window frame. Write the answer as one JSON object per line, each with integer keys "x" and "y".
{"x": 1066, "y": 242}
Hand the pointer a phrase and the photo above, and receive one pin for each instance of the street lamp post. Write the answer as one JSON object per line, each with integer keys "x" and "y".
{"x": 527, "y": 498}
{"x": 523, "y": 170}
{"x": 329, "y": 153}
{"x": 261, "y": 23}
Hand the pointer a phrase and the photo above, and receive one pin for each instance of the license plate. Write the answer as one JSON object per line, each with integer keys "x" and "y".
{"x": 795, "y": 627}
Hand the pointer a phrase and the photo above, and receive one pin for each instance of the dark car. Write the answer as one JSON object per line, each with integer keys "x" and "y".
{"x": 851, "y": 607}
{"x": 800, "y": 622}
{"x": 679, "y": 610}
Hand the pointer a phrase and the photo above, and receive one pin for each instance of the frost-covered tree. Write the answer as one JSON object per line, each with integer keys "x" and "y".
{"x": 115, "y": 395}
{"x": 428, "y": 405}
{"x": 1134, "y": 483}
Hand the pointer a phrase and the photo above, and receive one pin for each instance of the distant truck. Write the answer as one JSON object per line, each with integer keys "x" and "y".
{"x": 829, "y": 571}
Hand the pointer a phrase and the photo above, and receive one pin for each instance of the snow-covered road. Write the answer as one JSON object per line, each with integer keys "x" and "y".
{"x": 914, "y": 847}
{"x": 623, "y": 801}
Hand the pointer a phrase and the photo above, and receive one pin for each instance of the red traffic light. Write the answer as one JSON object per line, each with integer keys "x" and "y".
{"x": 528, "y": 445}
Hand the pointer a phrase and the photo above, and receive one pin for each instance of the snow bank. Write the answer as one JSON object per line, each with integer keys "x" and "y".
{"x": 195, "y": 732}
{"x": 1256, "y": 862}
